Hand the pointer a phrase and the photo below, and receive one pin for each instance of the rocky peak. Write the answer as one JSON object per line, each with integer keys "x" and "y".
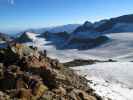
{"x": 87, "y": 24}
{"x": 24, "y": 37}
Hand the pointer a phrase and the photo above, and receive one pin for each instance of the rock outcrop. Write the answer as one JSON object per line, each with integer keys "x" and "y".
{"x": 27, "y": 74}
{"x": 24, "y": 37}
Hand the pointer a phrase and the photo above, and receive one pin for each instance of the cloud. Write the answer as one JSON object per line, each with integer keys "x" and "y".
{"x": 11, "y": 2}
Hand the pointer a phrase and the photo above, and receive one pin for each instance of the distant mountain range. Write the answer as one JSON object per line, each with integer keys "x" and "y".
{"x": 117, "y": 24}
{"x": 89, "y": 32}
{"x": 67, "y": 28}
{"x": 76, "y": 36}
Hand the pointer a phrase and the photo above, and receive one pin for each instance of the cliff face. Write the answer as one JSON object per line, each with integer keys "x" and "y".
{"x": 28, "y": 74}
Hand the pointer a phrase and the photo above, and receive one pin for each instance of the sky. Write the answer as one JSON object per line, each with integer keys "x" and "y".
{"x": 24, "y": 14}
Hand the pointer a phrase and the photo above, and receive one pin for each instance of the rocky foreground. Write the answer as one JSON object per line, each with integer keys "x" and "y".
{"x": 26, "y": 74}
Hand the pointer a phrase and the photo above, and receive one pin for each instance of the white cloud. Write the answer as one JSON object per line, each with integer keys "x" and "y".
{"x": 11, "y": 2}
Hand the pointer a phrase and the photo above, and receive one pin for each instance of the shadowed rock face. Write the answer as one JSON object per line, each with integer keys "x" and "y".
{"x": 64, "y": 40}
{"x": 23, "y": 38}
{"x": 87, "y": 26}
{"x": 31, "y": 75}
{"x": 83, "y": 44}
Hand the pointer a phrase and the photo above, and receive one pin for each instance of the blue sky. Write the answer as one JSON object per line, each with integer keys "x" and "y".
{"x": 22, "y": 14}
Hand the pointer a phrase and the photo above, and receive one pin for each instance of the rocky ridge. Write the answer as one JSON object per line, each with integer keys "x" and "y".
{"x": 27, "y": 74}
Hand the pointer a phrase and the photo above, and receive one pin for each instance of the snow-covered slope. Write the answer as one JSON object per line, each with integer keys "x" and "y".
{"x": 110, "y": 80}
{"x": 31, "y": 35}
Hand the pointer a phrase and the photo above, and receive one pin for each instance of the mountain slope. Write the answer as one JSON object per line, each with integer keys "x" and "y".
{"x": 26, "y": 37}
{"x": 4, "y": 37}
{"x": 85, "y": 37}
{"x": 117, "y": 24}
{"x": 118, "y": 45}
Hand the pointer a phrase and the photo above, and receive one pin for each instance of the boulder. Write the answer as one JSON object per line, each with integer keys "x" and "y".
{"x": 82, "y": 95}
{"x": 25, "y": 94}
{"x": 4, "y": 96}
{"x": 39, "y": 89}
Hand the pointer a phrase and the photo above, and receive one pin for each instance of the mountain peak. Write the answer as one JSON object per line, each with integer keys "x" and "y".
{"x": 87, "y": 24}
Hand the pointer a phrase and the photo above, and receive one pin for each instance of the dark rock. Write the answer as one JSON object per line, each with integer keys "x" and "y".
{"x": 23, "y": 38}
{"x": 79, "y": 62}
